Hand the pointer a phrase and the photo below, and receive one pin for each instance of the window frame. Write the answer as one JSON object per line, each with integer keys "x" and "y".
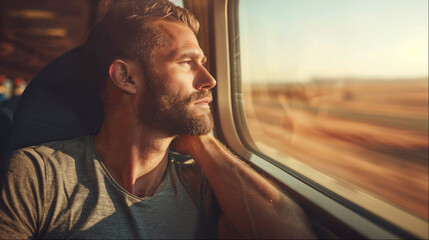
{"x": 395, "y": 223}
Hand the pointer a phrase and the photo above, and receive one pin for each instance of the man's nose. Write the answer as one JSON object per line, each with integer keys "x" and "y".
{"x": 204, "y": 80}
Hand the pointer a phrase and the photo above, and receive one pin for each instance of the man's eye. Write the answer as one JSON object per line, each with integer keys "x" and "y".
{"x": 186, "y": 63}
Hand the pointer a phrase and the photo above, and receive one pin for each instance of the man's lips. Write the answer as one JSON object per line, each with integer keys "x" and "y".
{"x": 204, "y": 101}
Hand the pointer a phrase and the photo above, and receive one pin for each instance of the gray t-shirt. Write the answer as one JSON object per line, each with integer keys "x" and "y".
{"x": 62, "y": 190}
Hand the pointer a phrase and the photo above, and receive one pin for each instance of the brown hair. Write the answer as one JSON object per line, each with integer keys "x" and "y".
{"x": 125, "y": 32}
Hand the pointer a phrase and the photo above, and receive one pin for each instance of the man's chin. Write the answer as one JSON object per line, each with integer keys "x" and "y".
{"x": 200, "y": 125}
{"x": 202, "y": 132}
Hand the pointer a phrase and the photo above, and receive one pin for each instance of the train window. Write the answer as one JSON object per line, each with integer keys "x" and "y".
{"x": 338, "y": 92}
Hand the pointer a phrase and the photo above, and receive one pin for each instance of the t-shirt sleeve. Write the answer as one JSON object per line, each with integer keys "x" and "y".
{"x": 22, "y": 195}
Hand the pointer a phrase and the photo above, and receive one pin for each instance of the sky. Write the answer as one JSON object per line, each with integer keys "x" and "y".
{"x": 286, "y": 40}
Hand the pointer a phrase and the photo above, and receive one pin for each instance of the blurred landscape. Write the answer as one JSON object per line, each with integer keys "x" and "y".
{"x": 370, "y": 133}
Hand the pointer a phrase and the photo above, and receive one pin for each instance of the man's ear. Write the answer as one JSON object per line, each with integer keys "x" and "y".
{"x": 120, "y": 75}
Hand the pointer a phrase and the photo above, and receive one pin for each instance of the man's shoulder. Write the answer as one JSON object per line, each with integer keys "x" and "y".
{"x": 198, "y": 188}
{"x": 54, "y": 146}
{"x": 51, "y": 152}
{"x": 189, "y": 173}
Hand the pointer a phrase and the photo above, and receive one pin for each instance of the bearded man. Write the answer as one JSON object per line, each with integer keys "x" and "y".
{"x": 123, "y": 182}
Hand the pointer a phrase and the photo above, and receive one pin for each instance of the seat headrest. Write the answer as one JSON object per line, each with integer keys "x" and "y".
{"x": 59, "y": 103}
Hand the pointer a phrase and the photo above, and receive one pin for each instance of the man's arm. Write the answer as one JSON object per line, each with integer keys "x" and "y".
{"x": 251, "y": 206}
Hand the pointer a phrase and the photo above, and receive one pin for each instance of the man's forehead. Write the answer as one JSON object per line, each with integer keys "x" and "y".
{"x": 180, "y": 40}
{"x": 173, "y": 30}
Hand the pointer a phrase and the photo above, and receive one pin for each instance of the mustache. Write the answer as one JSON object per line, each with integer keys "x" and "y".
{"x": 204, "y": 93}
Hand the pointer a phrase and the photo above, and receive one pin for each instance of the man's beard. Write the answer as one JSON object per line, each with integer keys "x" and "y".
{"x": 174, "y": 114}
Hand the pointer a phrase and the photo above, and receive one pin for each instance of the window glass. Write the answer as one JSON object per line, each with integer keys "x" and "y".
{"x": 177, "y": 2}
{"x": 339, "y": 88}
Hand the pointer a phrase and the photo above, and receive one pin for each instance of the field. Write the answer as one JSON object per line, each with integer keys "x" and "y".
{"x": 371, "y": 134}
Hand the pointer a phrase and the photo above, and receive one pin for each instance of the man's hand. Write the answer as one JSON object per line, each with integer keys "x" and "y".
{"x": 189, "y": 145}
{"x": 182, "y": 144}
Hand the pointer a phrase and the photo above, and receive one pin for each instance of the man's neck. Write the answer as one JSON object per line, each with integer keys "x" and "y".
{"x": 135, "y": 156}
